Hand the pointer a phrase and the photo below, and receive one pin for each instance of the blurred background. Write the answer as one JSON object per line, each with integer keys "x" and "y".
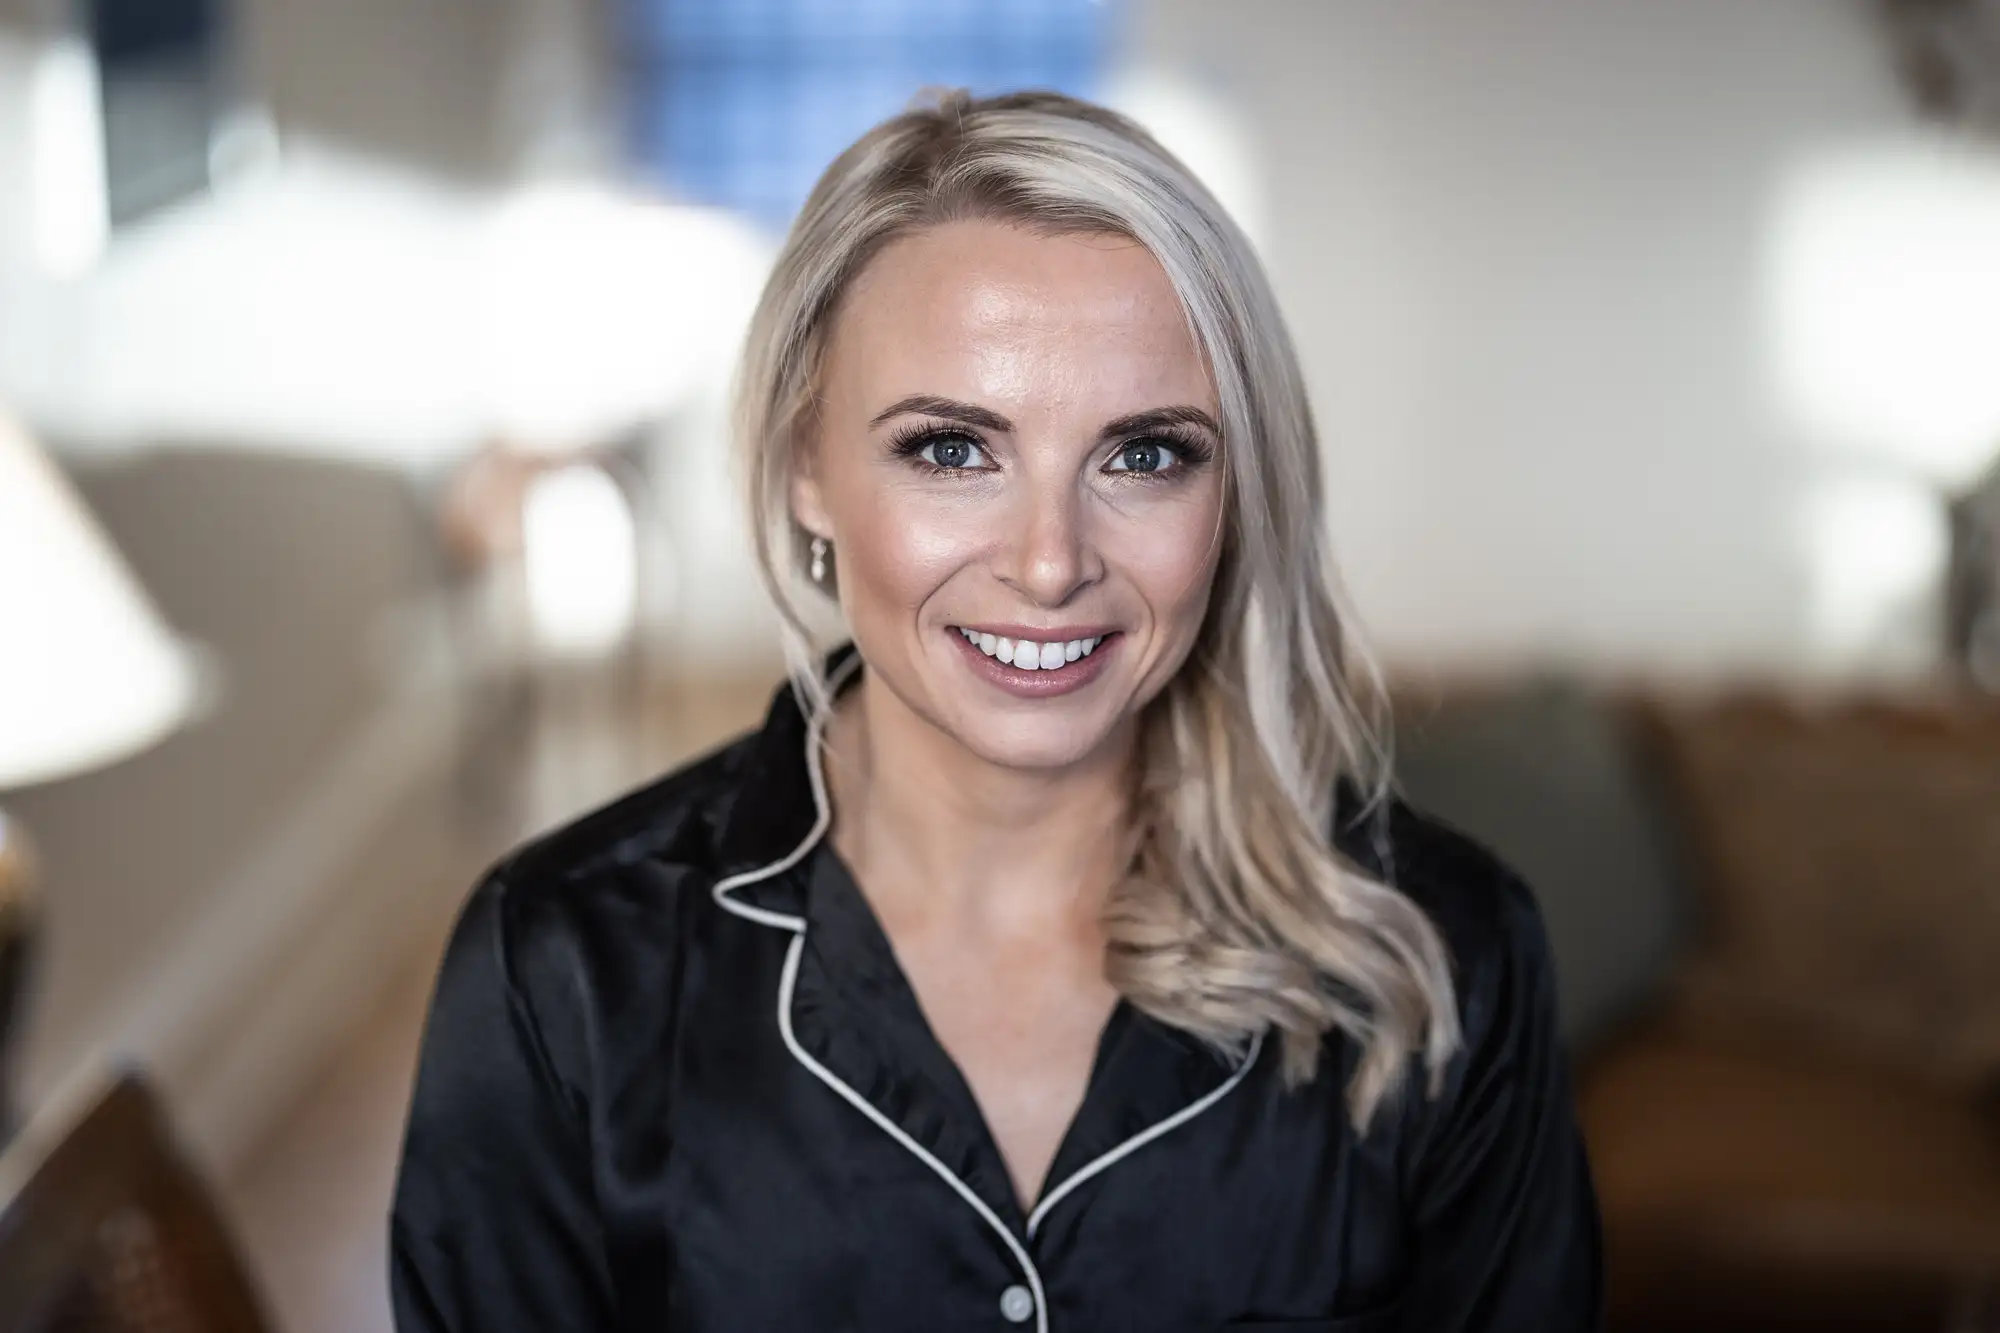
{"x": 365, "y": 506}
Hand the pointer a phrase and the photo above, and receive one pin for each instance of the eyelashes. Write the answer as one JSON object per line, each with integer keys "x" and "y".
{"x": 941, "y": 449}
{"x": 917, "y": 438}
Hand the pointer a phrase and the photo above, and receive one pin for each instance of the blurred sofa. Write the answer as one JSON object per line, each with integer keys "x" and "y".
{"x": 1777, "y": 924}
{"x": 222, "y": 905}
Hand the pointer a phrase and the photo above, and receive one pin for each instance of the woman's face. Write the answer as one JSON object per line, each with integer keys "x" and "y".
{"x": 1018, "y": 466}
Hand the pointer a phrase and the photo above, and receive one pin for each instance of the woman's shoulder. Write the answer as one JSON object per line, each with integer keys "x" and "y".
{"x": 695, "y": 822}
{"x": 596, "y": 903}
{"x": 628, "y": 871}
{"x": 671, "y": 820}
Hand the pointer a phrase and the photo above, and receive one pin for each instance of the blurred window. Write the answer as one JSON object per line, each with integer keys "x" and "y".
{"x": 164, "y": 78}
{"x": 742, "y": 103}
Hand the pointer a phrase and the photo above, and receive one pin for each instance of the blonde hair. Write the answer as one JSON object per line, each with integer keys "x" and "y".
{"x": 1238, "y": 916}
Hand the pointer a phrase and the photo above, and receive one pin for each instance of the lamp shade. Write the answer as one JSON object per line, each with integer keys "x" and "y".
{"x": 88, "y": 671}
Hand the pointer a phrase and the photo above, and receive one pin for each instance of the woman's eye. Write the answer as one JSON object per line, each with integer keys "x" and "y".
{"x": 952, "y": 452}
{"x": 1143, "y": 456}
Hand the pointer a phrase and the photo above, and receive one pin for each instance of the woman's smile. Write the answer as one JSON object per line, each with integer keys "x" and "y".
{"x": 1035, "y": 664}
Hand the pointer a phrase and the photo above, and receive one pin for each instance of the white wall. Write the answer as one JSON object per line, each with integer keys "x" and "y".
{"x": 1523, "y": 247}
{"x": 469, "y": 87}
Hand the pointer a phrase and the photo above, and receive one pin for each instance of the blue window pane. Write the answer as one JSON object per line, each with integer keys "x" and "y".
{"x": 742, "y": 103}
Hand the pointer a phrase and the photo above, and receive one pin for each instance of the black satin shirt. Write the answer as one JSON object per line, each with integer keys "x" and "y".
{"x": 642, "y": 1105}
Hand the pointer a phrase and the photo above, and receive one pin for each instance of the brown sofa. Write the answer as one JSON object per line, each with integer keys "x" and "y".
{"x": 1778, "y": 923}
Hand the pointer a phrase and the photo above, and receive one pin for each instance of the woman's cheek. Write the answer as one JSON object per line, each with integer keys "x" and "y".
{"x": 940, "y": 539}
{"x": 908, "y": 550}
{"x": 1169, "y": 555}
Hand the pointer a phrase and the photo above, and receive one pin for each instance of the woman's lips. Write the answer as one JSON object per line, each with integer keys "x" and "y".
{"x": 1039, "y": 682}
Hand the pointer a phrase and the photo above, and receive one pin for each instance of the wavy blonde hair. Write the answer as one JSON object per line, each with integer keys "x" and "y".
{"x": 1238, "y": 917}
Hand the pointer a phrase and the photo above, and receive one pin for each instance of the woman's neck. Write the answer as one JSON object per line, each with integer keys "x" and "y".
{"x": 997, "y": 850}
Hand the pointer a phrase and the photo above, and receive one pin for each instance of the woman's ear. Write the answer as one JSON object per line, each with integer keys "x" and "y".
{"x": 808, "y": 502}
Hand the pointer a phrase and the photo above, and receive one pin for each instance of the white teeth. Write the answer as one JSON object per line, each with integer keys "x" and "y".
{"x": 1028, "y": 655}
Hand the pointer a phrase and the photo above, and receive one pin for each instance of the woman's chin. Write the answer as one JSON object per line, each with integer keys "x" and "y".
{"x": 1038, "y": 744}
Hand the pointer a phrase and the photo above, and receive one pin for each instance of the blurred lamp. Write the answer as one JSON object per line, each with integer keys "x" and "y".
{"x": 88, "y": 672}
{"x": 600, "y": 309}
{"x": 1885, "y": 305}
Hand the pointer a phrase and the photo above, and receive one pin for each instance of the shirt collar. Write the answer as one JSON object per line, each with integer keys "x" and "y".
{"x": 773, "y": 809}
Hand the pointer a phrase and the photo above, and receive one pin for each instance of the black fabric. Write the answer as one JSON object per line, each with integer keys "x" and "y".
{"x": 610, "y": 1131}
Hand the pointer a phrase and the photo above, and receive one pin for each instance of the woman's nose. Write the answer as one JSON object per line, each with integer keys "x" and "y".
{"x": 1049, "y": 559}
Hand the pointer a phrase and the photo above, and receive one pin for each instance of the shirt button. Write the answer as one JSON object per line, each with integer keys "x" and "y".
{"x": 1017, "y": 1303}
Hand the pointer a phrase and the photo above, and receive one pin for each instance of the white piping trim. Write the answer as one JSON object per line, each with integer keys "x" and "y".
{"x": 895, "y": 1131}
{"x": 815, "y": 734}
{"x": 1144, "y": 1137}
{"x": 763, "y": 916}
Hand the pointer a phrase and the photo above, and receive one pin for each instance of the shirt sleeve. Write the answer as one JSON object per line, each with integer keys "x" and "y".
{"x": 1505, "y": 1214}
{"x": 494, "y": 1227}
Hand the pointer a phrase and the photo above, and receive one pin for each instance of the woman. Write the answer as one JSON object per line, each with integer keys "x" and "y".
{"x": 1052, "y": 956}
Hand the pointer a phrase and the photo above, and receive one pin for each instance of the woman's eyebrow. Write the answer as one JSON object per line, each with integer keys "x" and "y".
{"x": 929, "y": 405}
{"x": 1157, "y": 417}
{"x": 971, "y": 414}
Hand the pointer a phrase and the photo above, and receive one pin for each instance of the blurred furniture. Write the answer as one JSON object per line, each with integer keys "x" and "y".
{"x": 1545, "y": 773}
{"x": 104, "y": 1228}
{"x": 1972, "y": 583}
{"x": 1778, "y": 928}
{"x": 88, "y": 675}
{"x": 555, "y": 554}
{"x": 17, "y": 933}
{"x": 225, "y": 906}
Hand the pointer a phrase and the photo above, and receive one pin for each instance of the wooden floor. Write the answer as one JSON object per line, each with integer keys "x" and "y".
{"x": 310, "y": 1206}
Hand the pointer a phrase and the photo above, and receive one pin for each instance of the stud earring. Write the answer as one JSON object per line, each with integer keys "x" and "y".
{"x": 819, "y": 560}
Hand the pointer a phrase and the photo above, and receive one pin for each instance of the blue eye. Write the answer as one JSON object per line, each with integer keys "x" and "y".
{"x": 944, "y": 450}
{"x": 1144, "y": 455}
{"x": 952, "y": 452}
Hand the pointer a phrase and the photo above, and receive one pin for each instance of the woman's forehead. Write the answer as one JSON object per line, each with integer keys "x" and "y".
{"x": 983, "y": 308}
